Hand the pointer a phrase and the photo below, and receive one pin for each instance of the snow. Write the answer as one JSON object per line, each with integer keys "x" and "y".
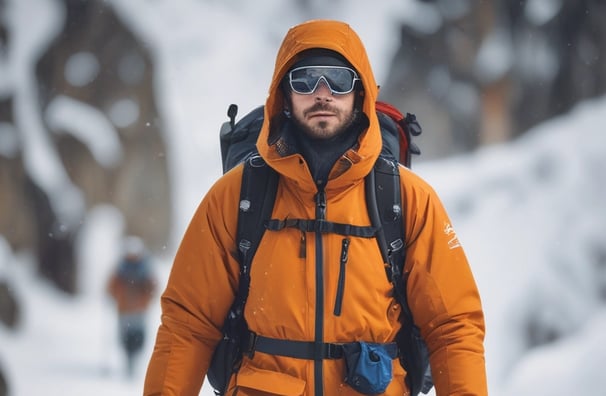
{"x": 82, "y": 68}
{"x": 530, "y": 214}
{"x": 88, "y": 125}
{"x": 494, "y": 58}
{"x": 540, "y": 12}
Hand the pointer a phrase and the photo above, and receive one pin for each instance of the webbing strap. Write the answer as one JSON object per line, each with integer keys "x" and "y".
{"x": 385, "y": 208}
{"x": 308, "y": 350}
{"x": 257, "y": 196}
{"x": 322, "y": 226}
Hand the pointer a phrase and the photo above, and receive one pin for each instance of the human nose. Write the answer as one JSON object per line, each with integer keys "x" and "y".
{"x": 323, "y": 90}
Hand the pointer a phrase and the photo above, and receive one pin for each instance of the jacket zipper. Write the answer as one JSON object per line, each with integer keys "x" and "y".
{"x": 341, "y": 284}
{"x": 319, "y": 320}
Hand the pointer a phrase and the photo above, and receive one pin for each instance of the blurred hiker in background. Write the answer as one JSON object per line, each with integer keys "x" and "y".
{"x": 131, "y": 286}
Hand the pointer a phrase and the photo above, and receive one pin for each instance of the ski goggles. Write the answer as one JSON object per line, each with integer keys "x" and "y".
{"x": 304, "y": 80}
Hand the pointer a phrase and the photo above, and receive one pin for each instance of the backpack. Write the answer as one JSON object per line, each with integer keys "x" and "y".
{"x": 258, "y": 190}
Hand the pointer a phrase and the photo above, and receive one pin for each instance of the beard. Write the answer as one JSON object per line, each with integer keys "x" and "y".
{"x": 324, "y": 130}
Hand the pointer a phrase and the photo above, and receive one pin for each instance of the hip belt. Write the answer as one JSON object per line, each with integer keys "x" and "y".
{"x": 307, "y": 349}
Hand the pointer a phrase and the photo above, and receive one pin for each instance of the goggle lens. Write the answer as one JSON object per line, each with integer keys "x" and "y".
{"x": 305, "y": 80}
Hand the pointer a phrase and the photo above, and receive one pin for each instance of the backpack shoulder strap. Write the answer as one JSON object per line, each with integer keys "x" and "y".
{"x": 384, "y": 202}
{"x": 385, "y": 209}
{"x": 258, "y": 191}
{"x": 257, "y": 196}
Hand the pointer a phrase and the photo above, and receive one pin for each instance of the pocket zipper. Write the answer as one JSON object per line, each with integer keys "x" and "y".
{"x": 341, "y": 284}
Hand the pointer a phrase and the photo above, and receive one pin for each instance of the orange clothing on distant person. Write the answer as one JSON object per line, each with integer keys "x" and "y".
{"x": 132, "y": 285}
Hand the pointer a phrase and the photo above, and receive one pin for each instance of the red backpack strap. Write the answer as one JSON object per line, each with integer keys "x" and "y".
{"x": 398, "y": 117}
{"x": 407, "y": 126}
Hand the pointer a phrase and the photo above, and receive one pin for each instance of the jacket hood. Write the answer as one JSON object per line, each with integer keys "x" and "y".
{"x": 341, "y": 38}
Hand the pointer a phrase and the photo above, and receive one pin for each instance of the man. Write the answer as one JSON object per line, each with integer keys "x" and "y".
{"x": 132, "y": 286}
{"x": 322, "y": 135}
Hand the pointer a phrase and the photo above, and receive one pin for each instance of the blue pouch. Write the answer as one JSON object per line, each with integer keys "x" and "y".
{"x": 369, "y": 367}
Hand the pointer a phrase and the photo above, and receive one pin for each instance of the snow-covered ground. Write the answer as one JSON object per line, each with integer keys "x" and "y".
{"x": 532, "y": 217}
{"x": 531, "y": 214}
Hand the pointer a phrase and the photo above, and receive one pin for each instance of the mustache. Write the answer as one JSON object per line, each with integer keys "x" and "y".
{"x": 320, "y": 106}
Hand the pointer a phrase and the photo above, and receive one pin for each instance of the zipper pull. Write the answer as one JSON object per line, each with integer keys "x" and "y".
{"x": 321, "y": 205}
{"x": 302, "y": 247}
{"x": 344, "y": 250}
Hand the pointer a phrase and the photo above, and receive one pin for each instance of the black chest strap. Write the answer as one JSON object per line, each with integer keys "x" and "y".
{"x": 322, "y": 226}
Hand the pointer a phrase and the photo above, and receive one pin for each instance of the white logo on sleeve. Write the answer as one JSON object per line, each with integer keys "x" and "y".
{"x": 453, "y": 241}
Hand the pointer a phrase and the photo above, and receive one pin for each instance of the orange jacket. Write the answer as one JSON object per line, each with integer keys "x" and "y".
{"x": 287, "y": 295}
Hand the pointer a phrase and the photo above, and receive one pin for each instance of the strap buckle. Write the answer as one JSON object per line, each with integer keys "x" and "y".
{"x": 251, "y": 343}
{"x": 333, "y": 351}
